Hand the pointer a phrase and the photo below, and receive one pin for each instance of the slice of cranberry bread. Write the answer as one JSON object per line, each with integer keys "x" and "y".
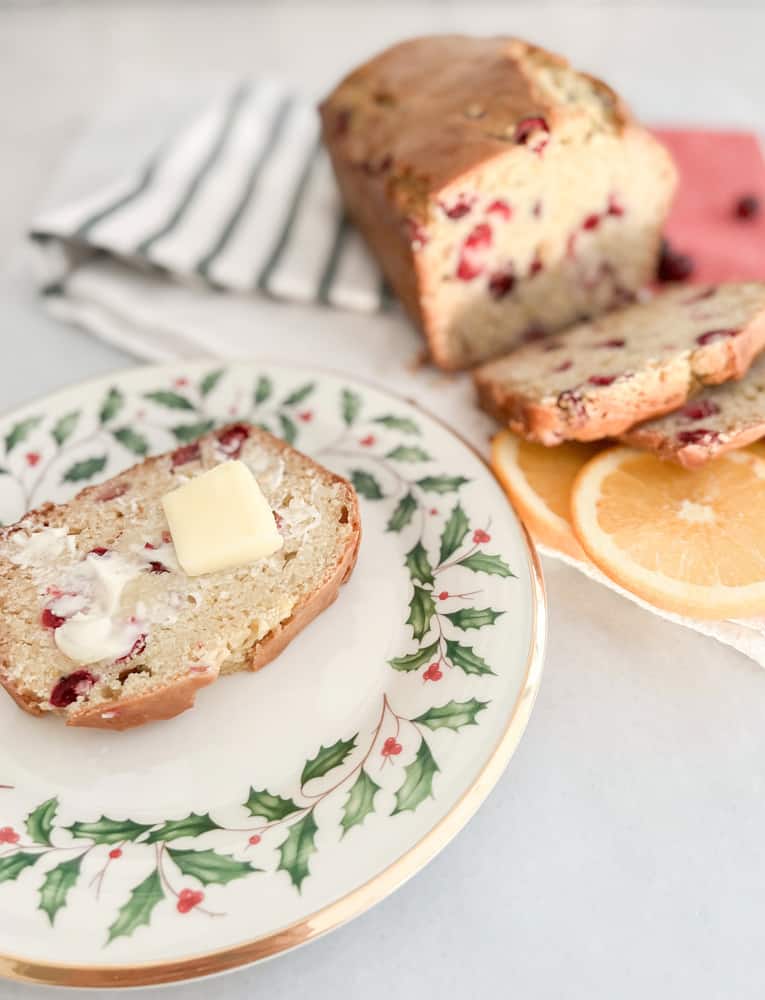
{"x": 600, "y": 378}
{"x": 168, "y": 634}
{"x": 716, "y": 420}
{"x": 504, "y": 194}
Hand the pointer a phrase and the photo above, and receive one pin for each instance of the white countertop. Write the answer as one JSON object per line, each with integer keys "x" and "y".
{"x": 621, "y": 853}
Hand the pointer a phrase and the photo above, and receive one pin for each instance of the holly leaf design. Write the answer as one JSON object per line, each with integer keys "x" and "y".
{"x": 441, "y": 484}
{"x": 360, "y": 802}
{"x": 112, "y": 404}
{"x": 408, "y": 453}
{"x": 39, "y": 822}
{"x": 481, "y": 562}
{"x": 403, "y": 424}
{"x": 454, "y": 532}
{"x": 452, "y": 715}
{"x": 270, "y": 807}
{"x": 56, "y": 886}
{"x": 289, "y": 430}
{"x": 85, "y": 469}
{"x": 209, "y": 867}
{"x": 170, "y": 400}
{"x": 421, "y": 610}
{"x": 351, "y": 406}
{"x": 192, "y": 825}
{"x": 209, "y": 382}
{"x": 264, "y": 388}
{"x": 366, "y": 484}
{"x": 64, "y": 428}
{"x": 466, "y": 658}
{"x": 417, "y": 562}
{"x": 190, "y": 432}
{"x": 418, "y": 781}
{"x": 467, "y": 618}
{"x": 415, "y": 660}
{"x": 4, "y": 472}
{"x": 402, "y": 515}
{"x": 108, "y": 831}
{"x": 299, "y": 394}
{"x": 326, "y": 759}
{"x": 131, "y": 440}
{"x": 139, "y": 907}
{"x": 20, "y": 432}
{"x": 14, "y": 864}
{"x": 296, "y": 850}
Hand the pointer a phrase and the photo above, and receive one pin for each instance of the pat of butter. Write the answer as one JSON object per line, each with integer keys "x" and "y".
{"x": 220, "y": 519}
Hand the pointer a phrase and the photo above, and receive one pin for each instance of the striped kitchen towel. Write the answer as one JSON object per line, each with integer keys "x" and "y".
{"x": 241, "y": 199}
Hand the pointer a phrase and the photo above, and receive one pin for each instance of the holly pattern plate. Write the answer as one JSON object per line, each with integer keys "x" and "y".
{"x": 289, "y": 800}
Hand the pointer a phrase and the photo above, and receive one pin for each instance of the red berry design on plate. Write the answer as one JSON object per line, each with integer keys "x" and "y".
{"x": 500, "y": 208}
{"x": 712, "y": 335}
{"x": 699, "y": 410}
{"x": 535, "y": 129}
{"x": 472, "y": 256}
{"x": 367, "y": 441}
{"x": 115, "y": 853}
{"x": 306, "y": 416}
{"x": 444, "y": 595}
{"x": 72, "y": 687}
{"x": 433, "y": 511}
{"x": 32, "y": 457}
{"x": 433, "y": 673}
{"x": 8, "y": 835}
{"x": 255, "y": 839}
{"x": 480, "y": 537}
{"x": 232, "y": 438}
{"x": 181, "y": 383}
{"x": 501, "y": 283}
{"x": 187, "y": 453}
{"x": 50, "y": 620}
{"x": 673, "y": 266}
{"x": 602, "y": 379}
{"x": 188, "y": 899}
{"x": 747, "y": 207}
{"x": 391, "y": 747}
{"x": 135, "y": 650}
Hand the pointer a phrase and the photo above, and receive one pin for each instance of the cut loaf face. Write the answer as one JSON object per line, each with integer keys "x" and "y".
{"x": 599, "y": 379}
{"x": 505, "y": 194}
{"x": 168, "y": 634}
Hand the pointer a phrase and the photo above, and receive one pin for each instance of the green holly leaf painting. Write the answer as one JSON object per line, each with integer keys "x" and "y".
{"x": 64, "y": 428}
{"x": 480, "y": 562}
{"x": 403, "y": 424}
{"x": 112, "y": 404}
{"x": 131, "y": 440}
{"x": 326, "y": 759}
{"x": 441, "y": 484}
{"x": 264, "y": 389}
{"x": 408, "y": 453}
{"x": 209, "y": 867}
{"x": 190, "y": 432}
{"x": 351, "y": 402}
{"x": 417, "y": 562}
{"x": 467, "y": 618}
{"x": 139, "y": 907}
{"x": 39, "y": 822}
{"x": 270, "y": 807}
{"x": 454, "y": 532}
{"x": 360, "y": 802}
{"x": 299, "y": 394}
{"x": 288, "y": 428}
{"x": 190, "y": 826}
{"x": 170, "y": 400}
{"x": 366, "y": 484}
{"x": 20, "y": 432}
{"x": 413, "y": 661}
{"x": 209, "y": 382}
{"x": 56, "y": 886}
{"x": 296, "y": 851}
{"x": 466, "y": 658}
{"x": 421, "y": 610}
{"x": 403, "y": 513}
{"x": 452, "y": 715}
{"x": 108, "y": 831}
{"x": 85, "y": 469}
{"x": 13, "y": 865}
{"x": 418, "y": 780}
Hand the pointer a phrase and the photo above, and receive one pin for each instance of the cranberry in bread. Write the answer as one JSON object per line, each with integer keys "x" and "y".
{"x": 504, "y": 194}
{"x": 103, "y": 627}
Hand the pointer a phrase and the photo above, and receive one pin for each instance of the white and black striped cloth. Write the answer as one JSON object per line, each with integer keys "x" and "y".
{"x": 242, "y": 199}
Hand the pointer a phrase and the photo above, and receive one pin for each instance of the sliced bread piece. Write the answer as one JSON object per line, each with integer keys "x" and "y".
{"x": 175, "y": 633}
{"x": 600, "y": 378}
{"x": 716, "y": 420}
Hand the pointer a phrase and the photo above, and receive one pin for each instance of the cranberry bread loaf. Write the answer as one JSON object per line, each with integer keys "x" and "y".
{"x": 600, "y": 378}
{"x": 168, "y": 634}
{"x": 716, "y": 420}
{"x": 505, "y": 194}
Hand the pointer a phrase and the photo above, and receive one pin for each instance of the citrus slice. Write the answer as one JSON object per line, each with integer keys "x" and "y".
{"x": 538, "y": 480}
{"x": 689, "y": 541}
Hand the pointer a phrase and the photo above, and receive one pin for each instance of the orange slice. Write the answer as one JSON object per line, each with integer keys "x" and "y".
{"x": 538, "y": 480}
{"x": 689, "y": 541}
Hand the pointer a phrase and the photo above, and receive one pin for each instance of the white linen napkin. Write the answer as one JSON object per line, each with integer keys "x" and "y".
{"x": 242, "y": 199}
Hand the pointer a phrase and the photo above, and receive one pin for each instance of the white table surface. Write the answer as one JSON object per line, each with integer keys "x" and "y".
{"x": 621, "y": 855}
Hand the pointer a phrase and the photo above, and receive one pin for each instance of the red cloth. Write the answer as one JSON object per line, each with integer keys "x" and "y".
{"x": 717, "y": 168}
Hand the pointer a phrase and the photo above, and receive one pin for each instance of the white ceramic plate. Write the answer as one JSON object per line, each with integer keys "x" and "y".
{"x": 290, "y": 800}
